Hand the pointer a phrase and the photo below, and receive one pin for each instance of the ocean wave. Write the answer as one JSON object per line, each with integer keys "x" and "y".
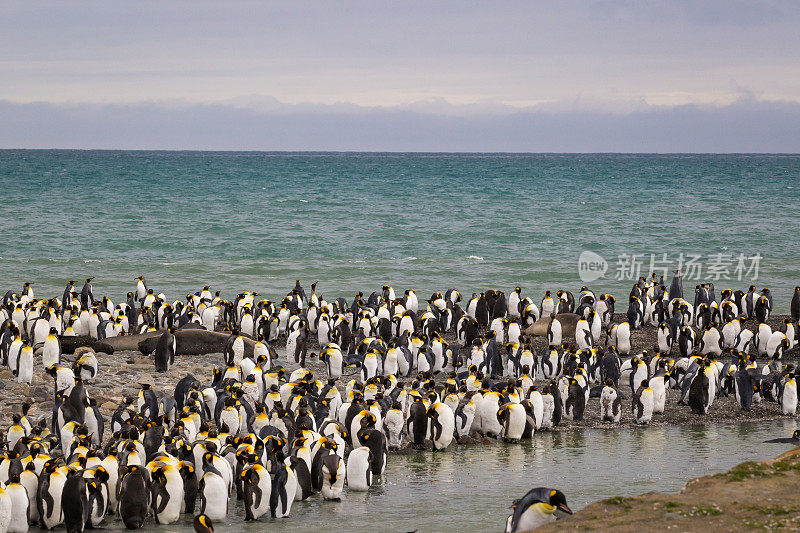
{"x": 475, "y": 258}
{"x": 92, "y": 261}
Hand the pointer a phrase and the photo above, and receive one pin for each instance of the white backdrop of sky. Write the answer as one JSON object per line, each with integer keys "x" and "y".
{"x": 373, "y": 75}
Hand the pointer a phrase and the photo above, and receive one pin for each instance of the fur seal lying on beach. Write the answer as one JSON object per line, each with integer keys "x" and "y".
{"x": 197, "y": 342}
{"x": 109, "y": 345}
{"x": 568, "y": 323}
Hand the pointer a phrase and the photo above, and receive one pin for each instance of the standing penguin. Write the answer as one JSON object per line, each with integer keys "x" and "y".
{"x": 359, "y": 471}
{"x": 659, "y": 383}
{"x": 24, "y": 368}
{"x": 167, "y": 489}
{"x": 51, "y": 352}
{"x": 19, "y": 505}
{"x": 284, "y": 488}
{"x": 635, "y": 312}
{"x": 234, "y": 349}
{"x": 51, "y": 488}
{"x": 676, "y": 287}
{"x": 553, "y": 331}
{"x": 442, "y": 425}
{"x": 87, "y": 294}
{"x": 134, "y": 496}
{"x": 5, "y": 509}
{"x": 98, "y": 499}
{"x": 548, "y": 304}
{"x": 257, "y": 491}
{"x": 513, "y": 417}
{"x": 66, "y": 298}
{"x": 698, "y": 392}
{"x": 513, "y": 302}
{"x": 166, "y": 347}
{"x": 333, "y": 358}
{"x": 75, "y": 503}
{"x": 638, "y": 372}
{"x": 333, "y": 477}
{"x": 610, "y": 410}
{"x": 744, "y": 387}
{"x": 643, "y": 403}
{"x": 665, "y": 338}
{"x": 376, "y": 442}
{"x": 141, "y": 288}
{"x": 417, "y": 423}
{"x": 576, "y": 400}
{"x": 213, "y": 490}
{"x": 622, "y": 338}
{"x": 30, "y": 481}
{"x": 789, "y": 396}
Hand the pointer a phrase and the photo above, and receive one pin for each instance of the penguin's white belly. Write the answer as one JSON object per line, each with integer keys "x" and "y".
{"x": 358, "y": 470}
{"x": 172, "y": 511}
{"x": 18, "y": 522}
{"x": 789, "y": 400}
{"x": 215, "y": 493}
{"x": 534, "y": 517}
{"x": 447, "y": 421}
{"x": 489, "y": 423}
{"x": 516, "y": 423}
{"x": 647, "y": 408}
{"x": 5, "y": 512}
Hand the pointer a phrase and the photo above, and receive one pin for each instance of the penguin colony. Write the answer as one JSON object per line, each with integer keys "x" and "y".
{"x": 269, "y": 437}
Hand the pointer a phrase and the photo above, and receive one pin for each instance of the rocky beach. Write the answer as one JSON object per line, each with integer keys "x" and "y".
{"x": 121, "y": 372}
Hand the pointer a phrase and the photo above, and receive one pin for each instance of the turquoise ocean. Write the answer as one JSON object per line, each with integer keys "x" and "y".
{"x": 354, "y": 221}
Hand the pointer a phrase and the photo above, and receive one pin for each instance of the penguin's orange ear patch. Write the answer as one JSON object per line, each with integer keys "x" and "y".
{"x": 552, "y": 493}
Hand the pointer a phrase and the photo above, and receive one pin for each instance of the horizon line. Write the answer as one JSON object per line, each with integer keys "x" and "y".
{"x": 378, "y": 152}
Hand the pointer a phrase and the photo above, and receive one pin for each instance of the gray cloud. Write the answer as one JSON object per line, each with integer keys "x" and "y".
{"x": 747, "y": 125}
{"x": 387, "y": 53}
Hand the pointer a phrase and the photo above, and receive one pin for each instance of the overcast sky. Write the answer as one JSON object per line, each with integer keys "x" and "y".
{"x": 107, "y": 74}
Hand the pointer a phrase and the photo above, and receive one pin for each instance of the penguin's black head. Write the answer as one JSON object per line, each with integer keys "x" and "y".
{"x": 202, "y": 524}
{"x": 559, "y": 501}
{"x": 796, "y": 434}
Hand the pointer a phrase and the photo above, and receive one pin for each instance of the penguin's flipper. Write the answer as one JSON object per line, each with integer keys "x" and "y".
{"x": 164, "y": 494}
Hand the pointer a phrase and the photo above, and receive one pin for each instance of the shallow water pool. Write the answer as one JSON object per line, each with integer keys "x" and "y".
{"x": 471, "y": 487}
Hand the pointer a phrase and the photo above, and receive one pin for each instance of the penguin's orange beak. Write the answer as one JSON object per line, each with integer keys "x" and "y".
{"x": 564, "y": 508}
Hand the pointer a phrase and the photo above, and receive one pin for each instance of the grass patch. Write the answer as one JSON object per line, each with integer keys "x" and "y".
{"x": 774, "y": 510}
{"x": 785, "y": 466}
{"x": 747, "y": 470}
{"x": 672, "y": 505}
{"x": 711, "y": 510}
{"x": 752, "y": 469}
{"x": 620, "y": 501}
